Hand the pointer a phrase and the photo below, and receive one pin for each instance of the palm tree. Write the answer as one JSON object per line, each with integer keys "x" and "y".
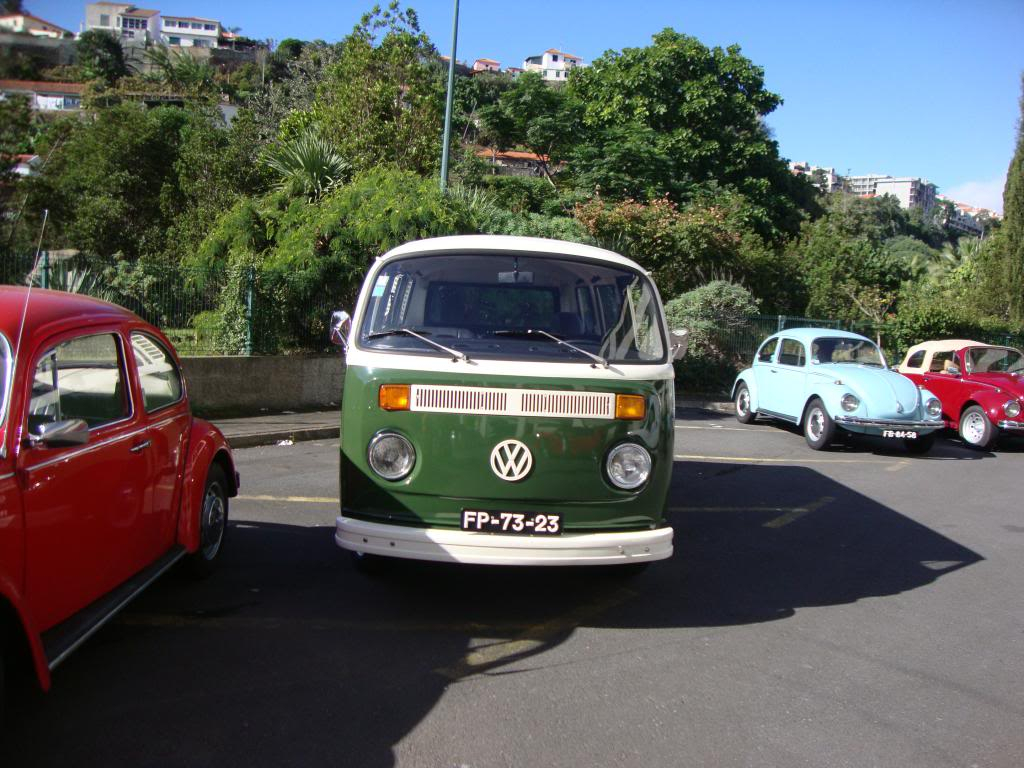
{"x": 308, "y": 165}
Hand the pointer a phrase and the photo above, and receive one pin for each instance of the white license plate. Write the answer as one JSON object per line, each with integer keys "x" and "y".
{"x": 515, "y": 523}
{"x": 902, "y": 434}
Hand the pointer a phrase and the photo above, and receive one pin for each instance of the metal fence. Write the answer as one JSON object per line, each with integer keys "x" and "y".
{"x": 202, "y": 312}
{"x": 240, "y": 311}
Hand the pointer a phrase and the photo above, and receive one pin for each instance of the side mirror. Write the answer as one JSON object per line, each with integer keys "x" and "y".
{"x": 680, "y": 342}
{"x": 58, "y": 434}
{"x": 340, "y": 322}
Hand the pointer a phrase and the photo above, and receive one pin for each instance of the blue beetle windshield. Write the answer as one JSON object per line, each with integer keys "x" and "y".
{"x": 832, "y": 349}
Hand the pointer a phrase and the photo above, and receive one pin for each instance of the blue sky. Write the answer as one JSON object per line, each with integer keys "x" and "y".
{"x": 905, "y": 87}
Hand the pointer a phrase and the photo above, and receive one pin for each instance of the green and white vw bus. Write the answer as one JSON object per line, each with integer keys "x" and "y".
{"x": 508, "y": 401}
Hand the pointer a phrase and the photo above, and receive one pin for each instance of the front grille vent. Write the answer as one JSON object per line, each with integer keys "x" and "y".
{"x": 513, "y": 402}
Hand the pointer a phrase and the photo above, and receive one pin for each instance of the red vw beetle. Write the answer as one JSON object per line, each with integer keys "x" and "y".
{"x": 981, "y": 386}
{"x": 106, "y": 479}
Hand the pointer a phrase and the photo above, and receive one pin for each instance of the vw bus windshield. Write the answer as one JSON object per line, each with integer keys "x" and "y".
{"x": 994, "y": 360}
{"x": 514, "y": 307}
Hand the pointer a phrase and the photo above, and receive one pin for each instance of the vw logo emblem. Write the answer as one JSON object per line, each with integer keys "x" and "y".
{"x": 511, "y": 460}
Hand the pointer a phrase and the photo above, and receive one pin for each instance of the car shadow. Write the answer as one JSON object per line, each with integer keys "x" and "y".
{"x": 290, "y": 656}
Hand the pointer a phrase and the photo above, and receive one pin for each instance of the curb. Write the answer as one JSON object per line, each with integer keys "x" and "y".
{"x": 272, "y": 438}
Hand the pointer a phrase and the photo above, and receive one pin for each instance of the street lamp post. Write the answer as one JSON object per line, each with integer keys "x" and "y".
{"x": 448, "y": 101}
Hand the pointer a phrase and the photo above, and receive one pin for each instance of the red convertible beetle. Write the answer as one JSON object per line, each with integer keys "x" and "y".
{"x": 106, "y": 478}
{"x": 981, "y": 386}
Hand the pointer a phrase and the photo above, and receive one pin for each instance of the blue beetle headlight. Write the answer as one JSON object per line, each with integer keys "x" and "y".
{"x": 850, "y": 403}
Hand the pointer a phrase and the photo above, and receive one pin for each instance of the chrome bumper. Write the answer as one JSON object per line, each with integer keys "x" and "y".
{"x": 860, "y": 421}
{"x": 1013, "y": 426}
{"x": 452, "y": 546}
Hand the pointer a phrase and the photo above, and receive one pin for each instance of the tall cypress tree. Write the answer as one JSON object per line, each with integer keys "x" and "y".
{"x": 1013, "y": 222}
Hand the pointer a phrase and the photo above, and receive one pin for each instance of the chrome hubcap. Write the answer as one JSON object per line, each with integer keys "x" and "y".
{"x": 743, "y": 402}
{"x": 973, "y": 429}
{"x": 212, "y": 522}
{"x": 815, "y": 424}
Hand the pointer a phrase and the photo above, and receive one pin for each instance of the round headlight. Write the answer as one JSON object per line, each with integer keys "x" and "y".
{"x": 628, "y": 465}
{"x": 1012, "y": 409}
{"x": 850, "y": 403}
{"x": 934, "y": 407}
{"x": 391, "y": 456}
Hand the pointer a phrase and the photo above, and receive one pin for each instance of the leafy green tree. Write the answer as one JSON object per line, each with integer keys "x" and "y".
{"x": 180, "y": 72}
{"x": 380, "y": 103}
{"x": 101, "y": 56}
{"x": 1011, "y": 233}
{"x": 532, "y": 114}
{"x": 703, "y": 111}
{"x": 10, "y": 6}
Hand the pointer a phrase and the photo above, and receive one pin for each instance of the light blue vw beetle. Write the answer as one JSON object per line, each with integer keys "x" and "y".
{"x": 820, "y": 378}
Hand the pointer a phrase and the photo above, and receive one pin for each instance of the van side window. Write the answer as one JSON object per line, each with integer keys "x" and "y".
{"x": 916, "y": 359}
{"x": 792, "y": 353}
{"x": 158, "y": 375}
{"x": 767, "y": 350}
{"x": 80, "y": 379}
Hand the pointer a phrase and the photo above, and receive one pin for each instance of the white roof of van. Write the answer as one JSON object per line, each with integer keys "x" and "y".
{"x": 508, "y": 244}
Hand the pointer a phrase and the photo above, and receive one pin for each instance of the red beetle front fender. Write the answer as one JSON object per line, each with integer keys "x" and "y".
{"x": 206, "y": 446}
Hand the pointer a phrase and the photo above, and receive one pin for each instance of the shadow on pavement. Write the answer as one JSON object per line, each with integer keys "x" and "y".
{"x": 289, "y": 656}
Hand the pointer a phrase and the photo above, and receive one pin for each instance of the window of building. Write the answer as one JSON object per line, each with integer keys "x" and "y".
{"x": 209, "y": 27}
{"x": 196, "y": 25}
{"x": 127, "y": 22}
{"x": 104, "y": 19}
{"x": 554, "y": 57}
{"x": 173, "y": 40}
{"x": 200, "y": 43}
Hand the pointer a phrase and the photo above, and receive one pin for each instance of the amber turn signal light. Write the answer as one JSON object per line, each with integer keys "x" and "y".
{"x": 630, "y": 407}
{"x": 394, "y": 397}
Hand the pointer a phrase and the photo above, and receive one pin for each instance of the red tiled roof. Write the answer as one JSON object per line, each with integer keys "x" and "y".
{"x": 37, "y": 86}
{"x": 489, "y": 61}
{"x": 563, "y": 53}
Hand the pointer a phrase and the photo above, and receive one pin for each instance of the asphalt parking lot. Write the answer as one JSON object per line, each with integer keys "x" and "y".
{"x": 860, "y": 607}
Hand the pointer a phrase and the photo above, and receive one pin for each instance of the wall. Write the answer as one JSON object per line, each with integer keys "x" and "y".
{"x": 239, "y": 386}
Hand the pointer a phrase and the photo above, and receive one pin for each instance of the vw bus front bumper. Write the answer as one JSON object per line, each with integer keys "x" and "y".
{"x": 454, "y": 546}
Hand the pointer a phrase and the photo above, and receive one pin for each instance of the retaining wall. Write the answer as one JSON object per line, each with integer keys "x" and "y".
{"x": 239, "y": 386}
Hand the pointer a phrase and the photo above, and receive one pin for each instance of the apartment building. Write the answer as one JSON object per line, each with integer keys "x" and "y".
{"x": 553, "y": 65}
{"x": 825, "y": 179}
{"x": 912, "y": 192}
{"x": 44, "y": 96}
{"x": 27, "y": 24}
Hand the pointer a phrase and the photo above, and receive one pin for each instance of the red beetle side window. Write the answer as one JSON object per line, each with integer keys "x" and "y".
{"x": 159, "y": 377}
{"x": 80, "y": 379}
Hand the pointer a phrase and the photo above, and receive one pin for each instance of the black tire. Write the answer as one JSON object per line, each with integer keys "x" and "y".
{"x": 819, "y": 428}
{"x": 976, "y": 430}
{"x": 742, "y": 404}
{"x": 213, "y": 525}
{"x": 921, "y": 445}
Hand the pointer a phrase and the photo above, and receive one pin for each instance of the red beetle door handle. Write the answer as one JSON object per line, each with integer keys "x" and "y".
{"x": 139, "y": 447}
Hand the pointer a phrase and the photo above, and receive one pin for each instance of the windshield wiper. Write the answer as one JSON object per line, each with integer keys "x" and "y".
{"x": 456, "y": 355}
{"x": 552, "y": 337}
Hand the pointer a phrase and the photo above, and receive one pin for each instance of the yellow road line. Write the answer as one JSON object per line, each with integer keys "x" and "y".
{"x": 756, "y": 460}
{"x": 481, "y": 659}
{"x": 291, "y": 499}
{"x": 796, "y": 514}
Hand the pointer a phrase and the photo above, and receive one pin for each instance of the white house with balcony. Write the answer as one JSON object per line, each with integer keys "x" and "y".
{"x": 131, "y": 23}
{"x": 189, "y": 32}
{"x": 27, "y": 24}
{"x": 553, "y": 65}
